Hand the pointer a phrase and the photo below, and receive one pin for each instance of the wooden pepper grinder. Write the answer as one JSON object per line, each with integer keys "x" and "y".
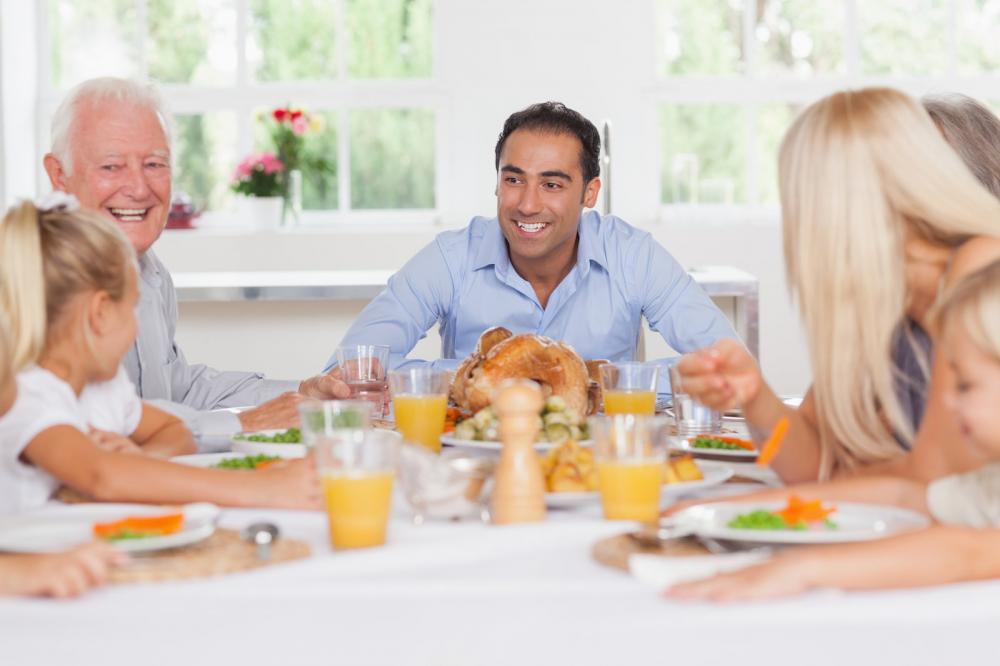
{"x": 519, "y": 493}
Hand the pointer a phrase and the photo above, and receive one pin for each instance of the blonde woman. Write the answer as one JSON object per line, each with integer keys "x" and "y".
{"x": 964, "y": 547}
{"x": 878, "y": 213}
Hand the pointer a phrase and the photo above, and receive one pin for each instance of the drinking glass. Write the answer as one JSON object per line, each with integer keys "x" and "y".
{"x": 691, "y": 417}
{"x": 629, "y": 388}
{"x": 357, "y": 469}
{"x": 420, "y": 400}
{"x": 631, "y": 453}
{"x": 363, "y": 368}
{"x": 324, "y": 418}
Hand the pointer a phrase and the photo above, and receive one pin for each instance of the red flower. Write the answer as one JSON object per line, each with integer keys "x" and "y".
{"x": 280, "y": 114}
{"x": 295, "y": 115}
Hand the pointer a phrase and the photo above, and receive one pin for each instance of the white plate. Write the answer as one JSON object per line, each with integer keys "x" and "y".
{"x": 855, "y": 522}
{"x": 59, "y": 528}
{"x": 683, "y": 444}
{"x": 213, "y": 459}
{"x": 476, "y": 445}
{"x": 715, "y": 474}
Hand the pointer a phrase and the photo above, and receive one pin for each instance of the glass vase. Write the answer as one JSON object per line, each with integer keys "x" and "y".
{"x": 291, "y": 213}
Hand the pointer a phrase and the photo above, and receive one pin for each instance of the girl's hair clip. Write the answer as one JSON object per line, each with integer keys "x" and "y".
{"x": 57, "y": 201}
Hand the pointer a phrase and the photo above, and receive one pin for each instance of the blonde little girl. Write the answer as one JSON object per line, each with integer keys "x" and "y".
{"x": 59, "y": 575}
{"x": 68, "y": 284}
{"x": 964, "y": 545}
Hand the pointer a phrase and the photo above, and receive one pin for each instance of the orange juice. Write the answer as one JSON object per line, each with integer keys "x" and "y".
{"x": 357, "y": 504}
{"x": 630, "y": 489}
{"x": 421, "y": 418}
{"x": 630, "y": 402}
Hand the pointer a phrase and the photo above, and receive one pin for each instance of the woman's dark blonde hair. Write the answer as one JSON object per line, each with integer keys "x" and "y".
{"x": 6, "y": 369}
{"x": 973, "y": 131}
{"x": 46, "y": 259}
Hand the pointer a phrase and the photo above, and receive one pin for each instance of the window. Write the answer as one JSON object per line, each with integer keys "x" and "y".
{"x": 364, "y": 68}
{"x": 733, "y": 74}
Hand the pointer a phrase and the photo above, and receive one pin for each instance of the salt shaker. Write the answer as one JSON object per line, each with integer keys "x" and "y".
{"x": 519, "y": 493}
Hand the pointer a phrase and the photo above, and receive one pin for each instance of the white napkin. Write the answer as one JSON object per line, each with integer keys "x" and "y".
{"x": 664, "y": 572}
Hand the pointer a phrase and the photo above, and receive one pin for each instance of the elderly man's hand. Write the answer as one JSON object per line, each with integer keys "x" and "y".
{"x": 280, "y": 412}
{"x": 325, "y": 387}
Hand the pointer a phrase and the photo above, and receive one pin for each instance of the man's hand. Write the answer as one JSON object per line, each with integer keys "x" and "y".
{"x": 280, "y": 412}
{"x": 722, "y": 376}
{"x": 325, "y": 387}
{"x": 113, "y": 442}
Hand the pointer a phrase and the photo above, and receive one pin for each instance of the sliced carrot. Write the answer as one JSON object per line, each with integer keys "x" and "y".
{"x": 165, "y": 524}
{"x": 773, "y": 443}
{"x": 267, "y": 463}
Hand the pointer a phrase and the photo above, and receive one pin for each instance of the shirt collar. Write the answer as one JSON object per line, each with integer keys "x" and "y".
{"x": 493, "y": 247}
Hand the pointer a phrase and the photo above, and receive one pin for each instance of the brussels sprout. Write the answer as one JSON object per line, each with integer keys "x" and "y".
{"x": 466, "y": 430}
{"x": 552, "y": 418}
{"x": 555, "y": 403}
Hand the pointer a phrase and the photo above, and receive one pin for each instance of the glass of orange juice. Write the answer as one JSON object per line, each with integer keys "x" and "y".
{"x": 629, "y": 388}
{"x": 357, "y": 468}
{"x": 630, "y": 450}
{"x": 420, "y": 400}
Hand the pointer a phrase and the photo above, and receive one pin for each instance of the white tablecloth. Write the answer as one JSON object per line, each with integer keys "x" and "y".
{"x": 467, "y": 593}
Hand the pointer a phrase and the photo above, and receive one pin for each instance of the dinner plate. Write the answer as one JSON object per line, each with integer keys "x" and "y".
{"x": 58, "y": 528}
{"x": 490, "y": 445}
{"x": 855, "y": 522}
{"x": 213, "y": 459}
{"x": 715, "y": 474}
{"x": 684, "y": 444}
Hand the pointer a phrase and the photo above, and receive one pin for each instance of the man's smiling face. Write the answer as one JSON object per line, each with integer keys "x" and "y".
{"x": 540, "y": 194}
{"x": 121, "y": 168}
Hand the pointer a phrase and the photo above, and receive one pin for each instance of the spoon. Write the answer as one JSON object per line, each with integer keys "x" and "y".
{"x": 262, "y": 535}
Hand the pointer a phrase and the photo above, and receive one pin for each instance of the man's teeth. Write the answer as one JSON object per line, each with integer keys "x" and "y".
{"x": 129, "y": 214}
{"x": 531, "y": 228}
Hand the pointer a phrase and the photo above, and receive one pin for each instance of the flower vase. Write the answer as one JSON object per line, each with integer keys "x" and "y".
{"x": 259, "y": 212}
{"x": 291, "y": 212}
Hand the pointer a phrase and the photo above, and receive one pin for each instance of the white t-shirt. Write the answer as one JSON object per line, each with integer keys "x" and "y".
{"x": 44, "y": 401}
{"x": 971, "y": 499}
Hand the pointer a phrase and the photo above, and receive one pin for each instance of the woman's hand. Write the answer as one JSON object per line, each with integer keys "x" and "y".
{"x": 722, "y": 376}
{"x": 61, "y": 575}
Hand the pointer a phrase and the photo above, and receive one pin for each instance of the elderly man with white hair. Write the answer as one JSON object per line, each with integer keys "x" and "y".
{"x": 111, "y": 149}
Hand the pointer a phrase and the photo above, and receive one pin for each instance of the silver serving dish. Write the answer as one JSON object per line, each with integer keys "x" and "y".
{"x": 453, "y": 485}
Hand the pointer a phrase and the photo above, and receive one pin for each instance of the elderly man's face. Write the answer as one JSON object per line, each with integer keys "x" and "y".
{"x": 121, "y": 168}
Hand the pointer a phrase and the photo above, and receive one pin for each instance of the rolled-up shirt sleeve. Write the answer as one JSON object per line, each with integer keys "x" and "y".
{"x": 415, "y": 298}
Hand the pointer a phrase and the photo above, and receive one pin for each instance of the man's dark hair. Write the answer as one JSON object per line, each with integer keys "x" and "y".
{"x": 556, "y": 118}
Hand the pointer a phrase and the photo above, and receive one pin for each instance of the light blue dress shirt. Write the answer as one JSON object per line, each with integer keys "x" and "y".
{"x": 464, "y": 282}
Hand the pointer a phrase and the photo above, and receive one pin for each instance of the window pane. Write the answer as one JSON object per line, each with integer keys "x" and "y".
{"x": 978, "y": 27}
{"x": 97, "y": 38}
{"x": 700, "y": 36}
{"x": 800, "y": 37}
{"x": 703, "y": 154}
{"x": 192, "y": 41}
{"x": 904, "y": 36}
{"x": 392, "y": 158}
{"x": 773, "y": 121}
{"x": 205, "y": 155}
{"x": 389, "y": 38}
{"x": 292, "y": 40}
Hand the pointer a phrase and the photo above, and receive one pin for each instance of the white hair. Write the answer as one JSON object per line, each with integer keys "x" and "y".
{"x": 106, "y": 88}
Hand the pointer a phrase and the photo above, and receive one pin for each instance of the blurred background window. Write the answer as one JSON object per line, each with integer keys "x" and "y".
{"x": 362, "y": 68}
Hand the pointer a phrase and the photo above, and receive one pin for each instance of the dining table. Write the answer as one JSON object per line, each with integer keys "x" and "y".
{"x": 461, "y": 593}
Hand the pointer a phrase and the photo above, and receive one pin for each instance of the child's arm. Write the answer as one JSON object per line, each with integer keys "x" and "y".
{"x": 67, "y": 454}
{"x": 163, "y": 435}
{"x": 894, "y": 490}
{"x": 60, "y": 575}
{"x": 934, "y": 556}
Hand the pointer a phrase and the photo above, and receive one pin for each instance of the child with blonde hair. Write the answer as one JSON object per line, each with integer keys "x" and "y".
{"x": 58, "y": 575}
{"x": 68, "y": 284}
{"x": 967, "y": 505}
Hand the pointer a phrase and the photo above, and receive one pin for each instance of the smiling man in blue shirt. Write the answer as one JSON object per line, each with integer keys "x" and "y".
{"x": 544, "y": 265}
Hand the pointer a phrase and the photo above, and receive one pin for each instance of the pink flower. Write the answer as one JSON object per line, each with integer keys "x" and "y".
{"x": 265, "y": 162}
{"x": 300, "y": 125}
{"x": 270, "y": 163}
